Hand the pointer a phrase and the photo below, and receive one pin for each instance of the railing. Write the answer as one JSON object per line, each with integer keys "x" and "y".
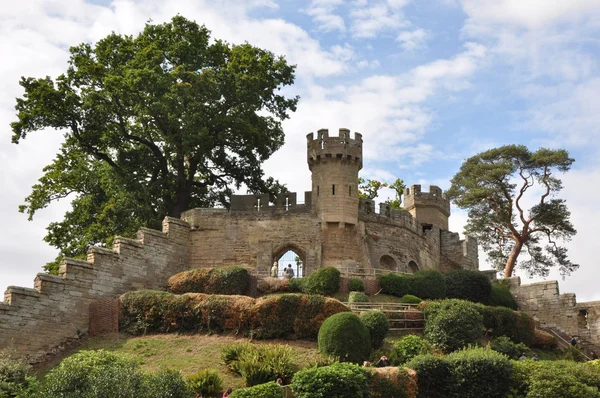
{"x": 354, "y": 271}
{"x": 402, "y": 317}
{"x": 564, "y": 341}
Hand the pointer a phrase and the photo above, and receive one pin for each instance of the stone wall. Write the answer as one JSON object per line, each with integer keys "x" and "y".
{"x": 457, "y": 253}
{"x": 551, "y": 309}
{"x": 37, "y": 321}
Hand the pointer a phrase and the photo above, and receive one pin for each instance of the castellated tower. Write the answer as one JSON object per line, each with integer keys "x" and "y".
{"x": 334, "y": 163}
{"x": 431, "y": 207}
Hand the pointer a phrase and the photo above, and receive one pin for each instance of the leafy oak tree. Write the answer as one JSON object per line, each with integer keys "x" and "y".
{"x": 494, "y": 187}
{"x": 369, "y": 189}
{"x": 154, "y": 124}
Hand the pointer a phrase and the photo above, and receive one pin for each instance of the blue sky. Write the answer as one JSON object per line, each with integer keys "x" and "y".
{"x": 428, "y": 83}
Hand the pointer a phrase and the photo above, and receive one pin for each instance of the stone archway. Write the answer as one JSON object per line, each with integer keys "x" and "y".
{"x": 290, "y": 254}
{"x": 388, "y": 263}
{"x": 412, "y": 267}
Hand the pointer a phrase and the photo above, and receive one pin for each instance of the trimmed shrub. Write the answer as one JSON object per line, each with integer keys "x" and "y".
{"x": 429, "y": 285}
{"x": 410, "y": 346}
{"x": 267, "y": 390}
{"x": 324, "y": 281}
{"x": 434, "y": 377}
{"x": 543, "y": 339}
{"x": 273, "y": 285}
{"x": 452, "y": 324}
{"x": 468, "y": 285}
{"x": 571, "y": 353}
{"x": 525, "y": 329}
{"x": 500, "y": 296}
{"x": 296, "y": 285}
{"x": 392, "y": 382}
{"x": 259, "y": 364}
{"x": 340, "y": 380}
{"x": 395, "y": 284}
{"x": 220, "y": 280}
{"x": 502, "y": 321}
{"x": 479, "y": 372}
{"x": 410, "y": 299}
{"x": 164, "y": 384}
{"x": 356, "y": 285}
{"x": 206, "y": 383}
{"x": 506, "y": 346}
{"x": 286, "y": 315}
{"x": 358, "y": 297}
{"x": 14, "y": 372}
{"x": 378, "y": 326}
{"x": 344, "y": 336}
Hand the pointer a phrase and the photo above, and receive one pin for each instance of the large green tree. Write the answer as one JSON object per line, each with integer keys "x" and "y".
{"x": 154, "y": 124}
{"x": 494, "y": 187}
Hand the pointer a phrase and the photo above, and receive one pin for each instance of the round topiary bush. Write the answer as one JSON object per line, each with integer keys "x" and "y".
{"x": 410, "y": 346}
{"x": 434, "y": 378}
{"x": 358, "y": 297}
{"x": 480, "y": 372}
{"x": 344, "y": 336}
{"x": 453, "y": 324}
{"x": 267, "y": 390}
{"x": 410, "y": 299}
{"x": 356, "y": 285}
{"x": 468, "y": 285}
{"x": 340, "y": 380}
{"x": 324, "y": 281}
{"x": 429, "y": 285}
{"x": 395, "y": 284}
{"x": 378, "y": 326}
{"x": 221, "y": 280}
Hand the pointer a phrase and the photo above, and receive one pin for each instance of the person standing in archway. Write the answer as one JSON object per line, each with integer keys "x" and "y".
{"x": 274, "y": 270}
{"x": 289, "y": 272}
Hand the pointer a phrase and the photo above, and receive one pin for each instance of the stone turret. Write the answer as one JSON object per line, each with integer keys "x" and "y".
{"x": 334, "y": 163}
{"x": 431, "y": 207}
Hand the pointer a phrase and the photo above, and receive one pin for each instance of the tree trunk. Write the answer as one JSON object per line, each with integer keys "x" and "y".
{"x": 512, "y": 259}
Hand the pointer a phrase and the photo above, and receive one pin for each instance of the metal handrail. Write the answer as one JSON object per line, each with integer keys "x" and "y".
{"x": 565, "y": 341}
{"x": 367, "y": 271}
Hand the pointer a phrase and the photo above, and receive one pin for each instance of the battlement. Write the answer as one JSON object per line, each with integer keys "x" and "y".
{"x": 413, "y": 196}
{"x": 284, "y": 202}
{"x": 342, "y": 147}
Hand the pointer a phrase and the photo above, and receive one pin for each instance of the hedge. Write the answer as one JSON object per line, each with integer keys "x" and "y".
{"x": 395, "y": 284}
{"x": 506, "y": 346}
{"x": 468, "y": 285}
{"x": 501, "y": 321}
{"x": 205, "y": 383}
{"x": 220, "y": 280}
{"x": 543, "y": 339}
{"x": 345, "y": 336}
{"x": 324, "y": 281}
{"x": 428, "y": 284}
{"x": 286, "y": 315}
{"x": 434, "y": 377}
{"x": 452, "y": 324}
{"x": 480, "y": 372}
{"x": 410, "y": 299}
{"x": 500, "y": 295}
{"x": 267, "y": 390}
{"x": 410, "y": 346}
{"x": 340, "y": 380}
{"x": 356, "y": 285}
{"x": 358, "y": 297}
{"x": 377, "y": 324}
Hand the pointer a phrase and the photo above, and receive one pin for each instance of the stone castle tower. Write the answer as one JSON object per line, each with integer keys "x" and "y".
{"x": 334, "y": 163}
{"x": 428, "y": 208}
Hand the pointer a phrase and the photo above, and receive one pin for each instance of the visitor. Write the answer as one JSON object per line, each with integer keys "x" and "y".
{"x": 534, "y": 357}
{"x": 594, "y": 355}
{"x": 279, "y": 381}
{"x": 573, "y": 341}
{"x": 383, "y": 362}
{"x": 274, "y": 270}
{"x": 289, "y": 272}
{"x": 366, "y": 364}
{"x": 227, "y": 392}
{"x": 522, "y": 357}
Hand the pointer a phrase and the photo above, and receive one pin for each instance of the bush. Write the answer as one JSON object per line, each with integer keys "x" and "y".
{"x": 340, "y": 380}
{"x": 506, "y": 346}
{"x": 433, "y": 376}
{"x": 259, "y": 364}
{"x": 100, "y": 374}
{"x": 221, "y": 280}
{"x": 395, "y": 284}
{"x": 502, "y": 321}
{"x": 356, "y": 285}
{"x": 571, "y": 353}
{"x": 206, "y": 383}
{"x": 410, "y": 299}
{"x": 378, "y": 326}
{"x": 392, "y": 382}
{"x": 296, "y": 285}
{"x": 344, "y": 336}
{"x": 410, "y": 346}
{"x": 500, "y": 296}
{"x": 468, "y": 285}
{"x": 452, "y": 324}
{"x": 285, "y": 315}
{"x": 324, "y": 281}
{"x": 358, "y": 297}
{"x": 429, "y": 285}
{"x": 14, "y": 372}
{"x": 479, "y": 372}
{"x": 267, "y": 390}
{"x": 543, "y": 339}
{"x": 273, "y": 285}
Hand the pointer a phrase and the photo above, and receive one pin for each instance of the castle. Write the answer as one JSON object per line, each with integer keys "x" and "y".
{"x": 333, "y": 227}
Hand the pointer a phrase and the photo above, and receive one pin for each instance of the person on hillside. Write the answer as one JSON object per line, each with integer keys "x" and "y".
{"x": 522, "y": 357}
{"x": 594, "y": 355}
{"x": 383, "y": 362}
{"x": 289, "y": 272}
{"x": 227, "y": 392}
{"x": 573, "y": 341}
{"x": 274, "y": 270}
{"x": 534, "y": 357}
{"x": 279, "y": 381}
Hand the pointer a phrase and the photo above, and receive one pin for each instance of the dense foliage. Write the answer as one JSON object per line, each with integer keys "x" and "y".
{"x": 543, "y": 339}
{"x": 344, "y": 336}
{"x": 500, "y": 296}
{"x": 428, "y": 285}
{"x": 434, "y": 376}
{"x": 410, "y": 299}
{"x": 410, "y": 346}
{"x": 479, "y": 372}
{"x": 395, "y": 284}
{"x": 14, "y": 373}
{"x": 378, "y": 326}
{"x": 501, "y": 321}
{"x": 392, "y": 382}
{"x": 468, "y": 285}
{"x": 221, "y": 280}
{"x": 324, "y": 281}
{"x": 358, "y": 297}
{"x": 340, "y": 380}
{"x": 259, "y": 364}
{"x": 267, "y": 390}
{"x": 356, "y": 285}
{"x": 452, "y": 324}
{"x": 286, "y": 315}
{"x": 154, "y": 124}
{"x": 506, "y": 346}
{"x": 495, "y": 185}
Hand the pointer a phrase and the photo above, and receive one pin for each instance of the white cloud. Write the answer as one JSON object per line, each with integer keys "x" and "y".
{"x": 372, "y": 18}
{"x": 411, "y": 40}
{"x": 322, "y": 12}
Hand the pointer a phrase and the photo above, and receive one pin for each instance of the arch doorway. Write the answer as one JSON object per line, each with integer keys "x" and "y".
{"x": 412, "y": 267}
{"x": 290, "y": 256}
{"x": 388, "y": 262}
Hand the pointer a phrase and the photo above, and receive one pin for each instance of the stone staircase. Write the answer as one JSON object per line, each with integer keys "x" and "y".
{"x": 564, "y": 341}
